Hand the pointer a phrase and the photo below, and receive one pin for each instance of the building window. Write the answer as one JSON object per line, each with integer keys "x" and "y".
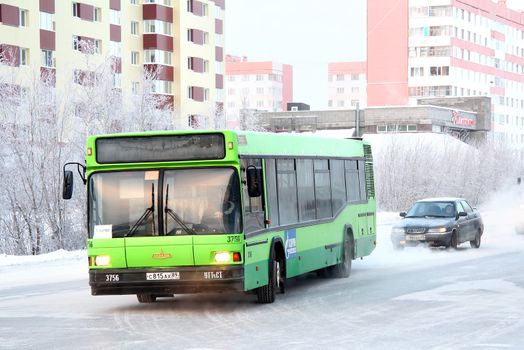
{"x": 134, "y": 28}
{"x": 48, "y": 59}
{"x": 24, "y": 18}
{"x": 260, "y": 77}
{"x": 46, "y": 21}
{"x": 260, "y": 104}
{"x": 206, "y": 94}
{"x": 114, "y": 17}
{"x": 134, "y": 57}
{"x": 134, "y": 2}
{"x": 206, "y": 37}
{"x": 231, "y": 78}
{"x": 340, "y": 103}
{"x": 135, "y": 86}
{"x": 354, "y": 90}
{"x": 157, "y": 56}
{"x": 24, "y": 56}
{"x": 439, "y": 70}
{"x": 115, "y": 48}
{"x": 98, "y": 46}
{"x": 160, "y": 2}
{"x": 340, "y": 77}
{"x": 117, "y": 80}
{"x": 97, "y": 15}
{"x": 162, "y": 87}
{"x": 354, "y": 76}
{"x": 158, "y": 27}
{"x": 354, "y": 103}
{"x": 76, "y": 9}
{"x": 260, "y": 90}
{"x": 206, "y": 66}
{"x": 340, "y": 90}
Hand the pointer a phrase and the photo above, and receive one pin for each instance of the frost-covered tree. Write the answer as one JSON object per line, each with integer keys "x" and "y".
{"x": 42, "y": 127}
{"x": 409, "y": 167}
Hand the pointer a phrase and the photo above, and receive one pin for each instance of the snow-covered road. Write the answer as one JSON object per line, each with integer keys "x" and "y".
{"x": 417, "y": 298}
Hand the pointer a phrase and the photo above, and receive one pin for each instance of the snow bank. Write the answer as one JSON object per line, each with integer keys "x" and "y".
{"x": 59, "y": 255}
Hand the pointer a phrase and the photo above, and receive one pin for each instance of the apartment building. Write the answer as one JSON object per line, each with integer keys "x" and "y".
{"x": 182, "y": 42}
{"x": 449, "y": 48}
{"x": 347, "y": 84}
{"x": 261, "y": 86}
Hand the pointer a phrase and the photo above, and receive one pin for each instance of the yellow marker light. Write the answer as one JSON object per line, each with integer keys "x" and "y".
{"x": 102, "y": 260}
{"x": 222, "y": 257}
{"x": 89, "y": 151}
{"x": 230, "y": 145}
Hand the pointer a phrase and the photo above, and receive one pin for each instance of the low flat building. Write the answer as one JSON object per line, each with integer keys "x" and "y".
{"x": 467, "y": 119}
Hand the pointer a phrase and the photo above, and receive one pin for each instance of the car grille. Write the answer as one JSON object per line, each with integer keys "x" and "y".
{"x": 415, "y": 230}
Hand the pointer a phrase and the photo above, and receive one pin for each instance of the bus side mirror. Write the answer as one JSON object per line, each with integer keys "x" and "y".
{"x": 254, "y": 181}
{"x": 402, "y": 214}
{"x": 67, "y": 186}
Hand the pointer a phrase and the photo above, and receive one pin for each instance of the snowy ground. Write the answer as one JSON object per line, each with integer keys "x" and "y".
{"x": 418, "y": 298}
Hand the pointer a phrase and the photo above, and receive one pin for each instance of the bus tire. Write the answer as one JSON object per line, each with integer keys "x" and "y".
{"x": 146, "y": 298}
{"x": 343, "y": 269}
{"x": 266, "y": 294}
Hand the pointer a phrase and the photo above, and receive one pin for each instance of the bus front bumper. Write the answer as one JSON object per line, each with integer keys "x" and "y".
{"x": 176, "y": 280}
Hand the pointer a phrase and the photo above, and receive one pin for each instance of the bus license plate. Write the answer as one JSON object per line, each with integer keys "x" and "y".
{"x": 157, "y": 276}
{"x": 415, "y": 237}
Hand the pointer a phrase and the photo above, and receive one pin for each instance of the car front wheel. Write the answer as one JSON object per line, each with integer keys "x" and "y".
{"x": 454, "y": 240}
{"x": 476, "y": 242}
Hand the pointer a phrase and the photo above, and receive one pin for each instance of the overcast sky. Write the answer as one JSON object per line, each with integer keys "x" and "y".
{"x": 304, "y": 33}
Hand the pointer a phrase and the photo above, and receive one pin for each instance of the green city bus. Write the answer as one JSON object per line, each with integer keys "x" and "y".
{"x": 211, "y": 211}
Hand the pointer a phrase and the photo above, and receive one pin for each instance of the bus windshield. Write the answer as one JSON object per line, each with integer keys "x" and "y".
{"x": 192, "y": 201}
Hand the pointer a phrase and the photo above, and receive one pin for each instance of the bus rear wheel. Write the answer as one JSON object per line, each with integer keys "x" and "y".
{"x": 343, "y": 269}
{"x": 146, "y": 298}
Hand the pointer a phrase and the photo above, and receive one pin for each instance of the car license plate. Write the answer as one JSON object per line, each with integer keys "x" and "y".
{"x": 157, "y": 276}
{"x": 415, "y": 237}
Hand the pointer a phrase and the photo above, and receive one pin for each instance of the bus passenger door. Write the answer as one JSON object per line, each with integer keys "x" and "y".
{"x": 254, "y": 215}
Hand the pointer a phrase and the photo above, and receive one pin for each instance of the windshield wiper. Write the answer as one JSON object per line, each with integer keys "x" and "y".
{"x": 175, "y": 216}
{"x": 149, "y": 211}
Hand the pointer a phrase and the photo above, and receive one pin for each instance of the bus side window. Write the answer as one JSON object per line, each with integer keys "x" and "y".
{"x": 362, "y": 179}
{"x": 271, "y": 185}
{"x": 254, "y": 215}
{"x": 352, "y": 183}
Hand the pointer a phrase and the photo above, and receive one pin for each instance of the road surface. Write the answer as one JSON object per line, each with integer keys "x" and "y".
{"x": 418, "y": 298}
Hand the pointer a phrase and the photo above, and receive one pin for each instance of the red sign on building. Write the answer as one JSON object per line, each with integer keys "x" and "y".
{"x": 457, "y": 119}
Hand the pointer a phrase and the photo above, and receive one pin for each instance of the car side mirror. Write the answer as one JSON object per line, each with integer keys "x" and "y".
{"x": 462, "y": 213}
{"x": 403, "y": 214}
{"x": 254, "y": 181}
{"x": 67, "y": 186}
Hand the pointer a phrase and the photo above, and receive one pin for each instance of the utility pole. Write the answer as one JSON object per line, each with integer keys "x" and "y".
{"x": 357, "y": 120}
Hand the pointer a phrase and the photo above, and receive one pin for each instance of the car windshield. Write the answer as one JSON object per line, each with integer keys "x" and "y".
{"x": 192, "y": 201}
{"x": 435, "y": 209}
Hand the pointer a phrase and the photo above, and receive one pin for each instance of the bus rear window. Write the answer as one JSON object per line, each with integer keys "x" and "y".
{"x": 138, "y": 149}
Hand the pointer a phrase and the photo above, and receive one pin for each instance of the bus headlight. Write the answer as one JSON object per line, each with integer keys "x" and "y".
{"x": 222, "y": 257}
{"x": 102, "y": 260}
{"x": 437, "y": 230}
{"x": 398, "y": 230}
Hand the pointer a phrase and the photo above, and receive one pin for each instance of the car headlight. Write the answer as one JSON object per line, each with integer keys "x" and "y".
{"x": 437, "y": 230}
{"x": 398, "y": 230}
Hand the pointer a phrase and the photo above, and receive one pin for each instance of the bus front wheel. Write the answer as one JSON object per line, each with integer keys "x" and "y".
{"x": 266, "y": 294}
{"x": 146, "y": 298}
